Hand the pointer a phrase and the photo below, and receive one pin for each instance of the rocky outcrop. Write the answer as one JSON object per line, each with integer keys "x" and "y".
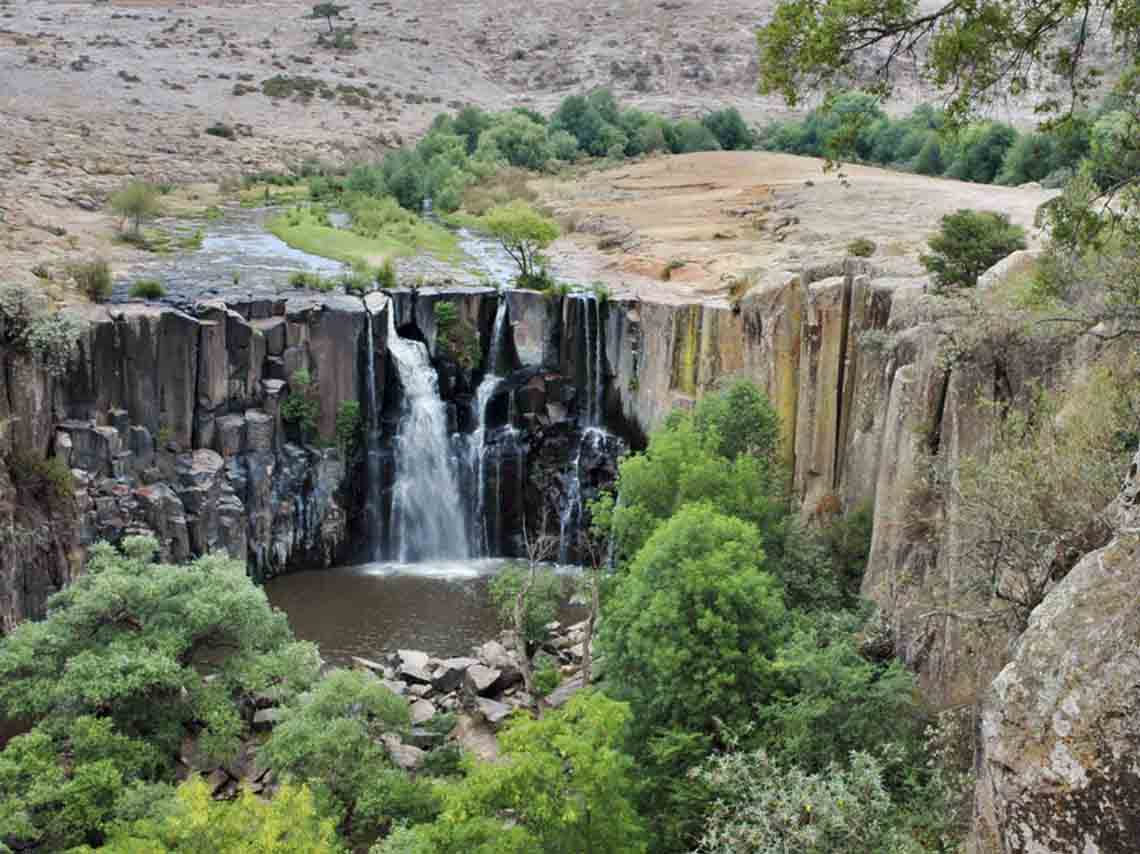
{"x": 1060, "y": 730}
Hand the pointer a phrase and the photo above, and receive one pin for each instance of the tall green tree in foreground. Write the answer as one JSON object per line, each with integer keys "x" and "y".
{"x": 133, "y": 658}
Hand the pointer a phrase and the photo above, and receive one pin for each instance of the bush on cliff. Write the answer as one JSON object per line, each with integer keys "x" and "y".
{"x": 969, "y": 243}
{"x": 28, "y": 324}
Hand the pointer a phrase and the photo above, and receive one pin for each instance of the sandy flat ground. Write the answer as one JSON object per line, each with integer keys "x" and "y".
{"x": 715, "y": 217}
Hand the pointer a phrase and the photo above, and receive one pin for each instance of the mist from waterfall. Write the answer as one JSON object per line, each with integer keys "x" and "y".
{"x": 427, "y": 518}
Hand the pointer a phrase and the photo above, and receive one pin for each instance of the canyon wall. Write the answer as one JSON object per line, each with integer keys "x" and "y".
{"x": 172, "y": 424}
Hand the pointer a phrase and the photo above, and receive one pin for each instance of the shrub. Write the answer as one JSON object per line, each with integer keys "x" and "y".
{"x": 349, "y": 429}
{"x": 137, "y": 201}
{"x": 541, "y": 604}
{"x": 929, "y": 159}
{"x": 764, "y": 808}
{"x": 301, "y": 407}
{"x": 861, "y": 248}
{"x": 729, "y": 129}
{"x": 223, "y": 130}
{"x": 48, "y": 481}
{"x": 93, "y": 279}
{"x": 148, "y": 289}
{"x": 969, "y": 243}
{"x": 692, "y": 136}
{"x": 27, "y": 324}
{"x": 547, "y": 676}
{"x": 386, "y": 275}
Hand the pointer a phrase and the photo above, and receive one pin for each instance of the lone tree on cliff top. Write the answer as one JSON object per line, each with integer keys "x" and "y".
{"x": 523, "y": 233}
{"x": 328, "y": 11}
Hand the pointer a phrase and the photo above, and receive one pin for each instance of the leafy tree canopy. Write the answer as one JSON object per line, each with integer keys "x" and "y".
{"x": 154, "y": 648}
{"x": 691, "y": 631}
{"x": 563, "y": 787}
{"x": 978, "y": 52}
{"x": 523, "y": 233}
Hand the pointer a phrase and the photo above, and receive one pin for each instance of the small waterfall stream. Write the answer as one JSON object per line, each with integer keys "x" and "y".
{"x": 427, "y": 518}
{"x": 591, "y": 415}
{"x": 372, "y": 446}
{"x": 477, "y": 457}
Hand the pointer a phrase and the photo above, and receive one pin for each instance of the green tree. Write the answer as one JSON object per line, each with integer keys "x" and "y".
{"x": 981, "y": 151}
{"x": 691, "y": 136}
{"x": 929, "y": 160}
{"x": 131, "y": 640}
{"x": 328, "y": 11}
{"x": 137, "y": 201}
{"x": 332, "y": 742}
{"x": 724, "y": 453}
{"x": 523, "y": 233}
{"x": 62, "y": 784}
{"x": 969, "y": 243}
{"x": 194, "y": 823}
{"x": 563, "y": 787}
{"x": 132, "y": 658}
{"x": 978, "y": 51}
{"x": 581, "y": 119}
{"x": 832, "y": 701}
{"x": 691, "y": 632}
{"x": 730, "y": 129}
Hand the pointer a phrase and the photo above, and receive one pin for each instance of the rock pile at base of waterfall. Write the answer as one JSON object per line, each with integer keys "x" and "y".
{"x": 487, "y": 685}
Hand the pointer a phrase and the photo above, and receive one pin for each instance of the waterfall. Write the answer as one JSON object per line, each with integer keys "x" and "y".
{"x": 570, "y": 520}
{"x": 571, "y": 516}
{"x": 591, "y": 409}
{"x": 477, "y": 456}
{"x": 427, "y": 512}
{"x": 372, "y": 447}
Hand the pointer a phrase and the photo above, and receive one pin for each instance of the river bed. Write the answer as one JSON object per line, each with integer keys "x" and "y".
{"x": 441, "y": 607}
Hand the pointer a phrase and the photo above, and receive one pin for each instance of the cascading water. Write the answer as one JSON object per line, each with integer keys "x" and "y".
{"x": 372, "y": 447}
{"x": 477, "y": 456}
{"x": 591, "y": 413}
{"x": 427, "y": 519}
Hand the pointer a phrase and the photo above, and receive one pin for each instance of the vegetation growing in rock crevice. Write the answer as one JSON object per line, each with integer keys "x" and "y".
{"x": 302, "y": 407}
{"x": 456, "y": 338}
{"x": 27, "y": 324}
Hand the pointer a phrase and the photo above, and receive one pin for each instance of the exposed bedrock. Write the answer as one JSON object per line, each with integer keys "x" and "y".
{"x": 1060, "y": 728}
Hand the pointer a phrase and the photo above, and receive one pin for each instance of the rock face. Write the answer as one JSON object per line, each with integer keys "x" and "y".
{"x": 1060, "y": 732}
{"x": 173, "y": 421}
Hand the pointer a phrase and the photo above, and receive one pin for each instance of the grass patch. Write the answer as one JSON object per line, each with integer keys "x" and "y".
{"x": 306, "y": 227}
{"x": 148, "y": 289}
{"x": 260, "y": 193}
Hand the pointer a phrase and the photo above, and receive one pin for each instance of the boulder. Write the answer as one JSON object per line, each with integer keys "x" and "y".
{"x": 414, "y": 666}
{"x": 403, "y": 755}
{"x": 449, "y": 674}
{"x": 264, "y": 719}
{"x": 422, "y": 711}
{"x": 395, "y": 686}
{"x": 1060, "y": 730}
{"x": 492, "y": 711}
{"x": 481, "y": 680}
